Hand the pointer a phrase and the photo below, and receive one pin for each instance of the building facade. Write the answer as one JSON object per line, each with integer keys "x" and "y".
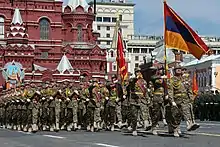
{"x": 207, "y": 71}
{"x": 41, "y": 33}
{"x": 140, "y": 48}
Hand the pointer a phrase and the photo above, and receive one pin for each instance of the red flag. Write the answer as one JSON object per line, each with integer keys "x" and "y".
{"x": 195, "y": 85}
{"x": 121, "y": 59}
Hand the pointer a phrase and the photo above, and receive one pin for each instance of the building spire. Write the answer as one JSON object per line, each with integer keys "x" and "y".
{"x": 17, "y": 18}
{"x": 64, "y": 65}
{"x": 75, "y": 3}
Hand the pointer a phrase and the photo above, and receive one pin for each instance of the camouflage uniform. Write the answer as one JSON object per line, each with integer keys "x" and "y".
{"x": 138, "y": 99}
{"x": 157, "y": 101}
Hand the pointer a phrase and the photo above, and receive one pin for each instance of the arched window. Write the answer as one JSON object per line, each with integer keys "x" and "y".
{"x": 44, "y": 29}
{"x": 79, "y": 33}
{"x": 2, "y": 27}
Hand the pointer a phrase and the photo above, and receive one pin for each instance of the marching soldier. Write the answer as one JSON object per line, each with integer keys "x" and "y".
{"x": 139, "y": 96}
{"x": 188, "y": 102}
{"x": 157, "y": 100}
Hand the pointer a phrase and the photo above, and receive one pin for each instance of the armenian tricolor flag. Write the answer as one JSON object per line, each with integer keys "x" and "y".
{"x": 180, "y": 36}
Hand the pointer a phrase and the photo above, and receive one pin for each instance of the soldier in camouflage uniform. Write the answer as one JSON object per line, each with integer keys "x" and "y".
{"x": 188, "y": 103}
{"x": 139, "y": 97}
{"x": 44, "y": 107}
{"x": 84, "y": 94}
{"x": 51, "y": 107}
{"x": 157, "y": 100}
{"x": 125, "y": 106}
{"x": 178, "y": 97}
{"x": 104, "y": 93}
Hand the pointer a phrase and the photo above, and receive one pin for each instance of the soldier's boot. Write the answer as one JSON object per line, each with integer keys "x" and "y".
{"x": 30, "y": 129}
{"x": 112, "y": 128}
{"x": 19, "y": 128}
{"x": 57, "y": 128}
{"x": 25, "y": 128}
{"x": 129, "y": 128}
{"x": 35, "y": 128}
{"x": 154, "y": 131}
{"x": 191, "y": 126}
{"x": 147, "y": 125}
{"x": 79, "y": 127}
{"x": 22, "y": 126}
{"x": 3, "y": 127}
{"x": 14, "y": 127}
{"x": 179, "y": 130}
{"x": 99, "y": 126}
{"x": 176, "y": 134}
{"x": 68, "y": 128}
{"x": 95, "y": 125}
{"x": 8, "y": 126}
{"x": 134, "y": 133}
{"x": 119, "y": 124}
{"x": 44, "y": 127}
{"x": 139, "y": 125}
{"x": 164, "y": 122}
{"x": 52, "y": 128}
{"x": 102, "y": 124}
{"x": 88, "y": 128}
{"x": 63, "y": 126}
{"x": 92, "y": 128}
{"x": 75, "y": 126}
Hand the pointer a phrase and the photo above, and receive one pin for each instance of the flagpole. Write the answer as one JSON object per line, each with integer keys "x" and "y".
{"x": 165, "y": 50}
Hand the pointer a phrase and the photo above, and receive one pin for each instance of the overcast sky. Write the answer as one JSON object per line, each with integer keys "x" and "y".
{"x": 201, "y": 15}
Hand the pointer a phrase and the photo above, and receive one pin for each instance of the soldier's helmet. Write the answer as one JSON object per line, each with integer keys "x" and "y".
{"x": 137, "y": 69}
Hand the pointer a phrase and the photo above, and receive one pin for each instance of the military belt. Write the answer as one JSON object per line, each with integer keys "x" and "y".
{"x": 158, "y": 93}
{"x": 180, "y": 94}
{"x": 138, "y": 93}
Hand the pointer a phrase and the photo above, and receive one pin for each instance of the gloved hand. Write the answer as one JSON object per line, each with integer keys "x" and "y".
{"x": 166, "y": 97}
{"x": 124, "y": 96}
{"x": 87, "y": 100}
{"x": 117, "y": 99}
{"x": 174, "y": 104}
{"x": 107, "y": 98}
{"x": 51, "y": 98}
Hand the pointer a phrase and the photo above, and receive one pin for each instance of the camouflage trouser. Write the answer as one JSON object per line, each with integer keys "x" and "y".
{"x": 29, "y": 117}
{"x": 62, "y": 116}
{"x": 44, "y": 117}
{"x": 80, "y": 116}
{"x": 125, "y": 111}
{"x": 97, "y": 115}
{"x": 110, "y": 114}
{"x": 69, "y": 116}
{"x": 14, "y": 117}
{"x": 35, "y": 117}
{"x": 8, "y": 115}
{"x": 118, "y": 112}
{"x": 90, "y": 115}
{"x": 51, "y": 116}
{"x": 134, "y": 115}
{"x": 24, "y": 117}
{"x": 173, "y": 116}
{"x": 156, "y": 113}
{"x": 75, "y": 117}
{"x": 19, "y": 117}
{"x": 145, "y": 112}
{"x": 187, "y": 111}
{"x": 2, "y": 116}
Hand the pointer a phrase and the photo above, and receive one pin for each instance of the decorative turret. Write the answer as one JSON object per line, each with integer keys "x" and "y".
{"x": 73, "y": 4}
{"x": 17, "y": 33}
{"x": 64, "y": 65}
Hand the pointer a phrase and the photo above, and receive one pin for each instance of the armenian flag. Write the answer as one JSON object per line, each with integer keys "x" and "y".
{"x": 179, "y": 35}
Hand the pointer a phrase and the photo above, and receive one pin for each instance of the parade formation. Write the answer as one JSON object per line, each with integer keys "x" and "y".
{"x": 96, "y": 105}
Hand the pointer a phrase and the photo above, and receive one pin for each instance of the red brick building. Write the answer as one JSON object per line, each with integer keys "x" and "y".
{"x": 42, "y": 32}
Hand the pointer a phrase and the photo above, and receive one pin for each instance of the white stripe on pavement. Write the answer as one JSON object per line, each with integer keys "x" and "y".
{"x": 51, "y": 136}
{"x": 208, "y": 134}
{"x": 105, "y": 145}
